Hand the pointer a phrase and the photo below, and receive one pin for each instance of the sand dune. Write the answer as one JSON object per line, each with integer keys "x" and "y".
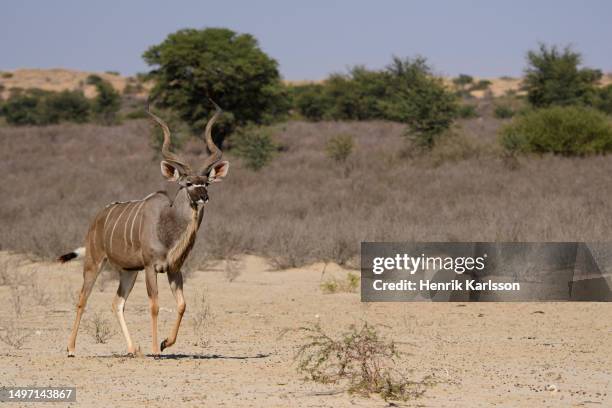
{"x": 60, "y": 79}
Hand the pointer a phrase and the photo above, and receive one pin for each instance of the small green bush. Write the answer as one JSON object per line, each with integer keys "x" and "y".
{"x": 570, "y": 130}
{"x": 340, "y": 147}
{"x": 254, "y": 145}
{"x": 467, "y": 112}
{"x": 503, "y": 112}
{"x": 7, "y": 75}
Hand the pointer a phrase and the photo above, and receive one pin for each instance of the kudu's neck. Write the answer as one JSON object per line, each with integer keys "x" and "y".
{"x": 182, "y": 205}
{"x": 191, "y": 217}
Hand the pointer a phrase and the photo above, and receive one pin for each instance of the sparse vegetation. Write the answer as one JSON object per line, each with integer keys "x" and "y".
{"x": 350, "y": 284}
{"x": 360, "y": 358}
{"x": 14, "y": 336}
{"x": 201, "y": 318}
{"x": 568, "y": 131}
{"x": 99, "y": 328}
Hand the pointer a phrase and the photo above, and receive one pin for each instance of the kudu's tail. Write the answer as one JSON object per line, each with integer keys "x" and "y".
{"x": 76, "y": 254}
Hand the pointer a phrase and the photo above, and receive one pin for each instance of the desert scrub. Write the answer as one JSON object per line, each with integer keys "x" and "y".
{"x": 568, "y": 131}
{"x": 99, "y": 328}
{"x": 333, "y": 285}
{"x": 201, "y": 319}
{"x": 359, "y": 358}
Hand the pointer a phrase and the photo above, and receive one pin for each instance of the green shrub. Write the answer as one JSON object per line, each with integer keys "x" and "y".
{"x": 22, "y": 109}
{"x": 115, "y": 73}
{"x": 254, "y": 145}
{"x": 419, "y": 99}
{"x": 107, "y": 102}
{"x": 503, "y": 112}
{"x": 66, "y": 106}
{"x": 7, "y": 75}
{"x": 466, "y": 111}
{"x": 191, "y": 66}
{"x": 37, "y": 107}
{"x": 340, "y": 147}
{"x": 553, "y": 77}
{"x": 570, "y": 130}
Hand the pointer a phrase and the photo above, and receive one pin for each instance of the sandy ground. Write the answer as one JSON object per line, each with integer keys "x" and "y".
{"x": 508, "y": 355}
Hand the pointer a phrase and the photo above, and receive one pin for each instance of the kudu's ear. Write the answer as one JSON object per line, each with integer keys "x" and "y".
{"x": 172, "y": 171}
{"x": 218, "y": 171}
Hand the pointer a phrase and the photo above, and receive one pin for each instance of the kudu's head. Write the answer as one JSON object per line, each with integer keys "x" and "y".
{"x": 177, "y": 170}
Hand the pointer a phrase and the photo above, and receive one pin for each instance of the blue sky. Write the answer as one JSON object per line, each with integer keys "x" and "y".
{"x": 309, "y": 38}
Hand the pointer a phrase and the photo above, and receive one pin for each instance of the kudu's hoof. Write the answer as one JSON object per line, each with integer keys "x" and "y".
{"x": 162, "y": 346}
{"x": 130, "y": 355}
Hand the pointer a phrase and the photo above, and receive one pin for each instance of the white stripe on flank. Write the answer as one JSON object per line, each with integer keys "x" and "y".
{"x": 127, "y": 220}
{"x": 110, "y": 247}
{"x": 133, "y": 220}
{"x": 104, "y": 228}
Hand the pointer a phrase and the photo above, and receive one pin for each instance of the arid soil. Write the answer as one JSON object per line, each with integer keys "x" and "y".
{"x": 507, "y": 355}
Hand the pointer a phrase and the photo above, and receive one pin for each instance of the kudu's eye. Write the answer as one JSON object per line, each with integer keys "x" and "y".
{"x": 189, "y": 184}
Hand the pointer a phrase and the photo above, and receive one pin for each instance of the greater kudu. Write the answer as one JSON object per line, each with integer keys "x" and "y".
{"x": 155, "y": 234}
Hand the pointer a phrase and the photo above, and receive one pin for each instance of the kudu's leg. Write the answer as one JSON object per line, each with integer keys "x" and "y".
{"x": 151, "y": 280}
{"x": 127, "y": 279}
{"x": 176, "y": 285}
{"x": 90, "y": 273}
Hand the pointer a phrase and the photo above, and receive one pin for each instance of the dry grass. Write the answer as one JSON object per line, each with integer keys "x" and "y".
{"x": 301, "y": 207}
{"x": 99, "y": 328}
{"x": 14, "y": 336}
{"x": 201, "y": 318}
